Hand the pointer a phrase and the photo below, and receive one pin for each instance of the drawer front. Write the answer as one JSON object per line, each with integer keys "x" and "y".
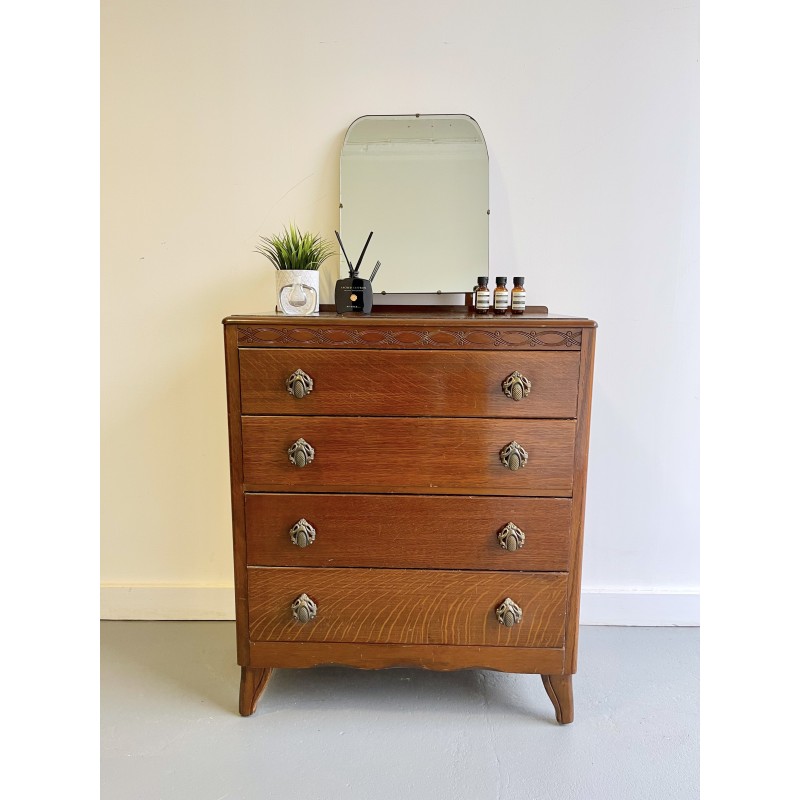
{"x": 407, "y": 606}
{"x": 408, "y": 455}
{"x": 397, "y": 383}
{"x": 348, "y": 530}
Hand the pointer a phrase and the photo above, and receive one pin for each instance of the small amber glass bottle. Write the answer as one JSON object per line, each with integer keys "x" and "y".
{"x": 501, "y": 296}
{"x": 483, "y": 297}
{"x": 518, "y": 296}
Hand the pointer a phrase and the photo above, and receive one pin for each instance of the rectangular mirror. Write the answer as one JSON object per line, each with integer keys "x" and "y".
{"x": 421, "y": 183}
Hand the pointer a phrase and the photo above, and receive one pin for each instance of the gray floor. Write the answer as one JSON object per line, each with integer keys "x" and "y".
{"x": 170, "y": 728}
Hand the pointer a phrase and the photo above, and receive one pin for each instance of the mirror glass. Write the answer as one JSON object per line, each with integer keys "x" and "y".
{"x": 421, "y": 183}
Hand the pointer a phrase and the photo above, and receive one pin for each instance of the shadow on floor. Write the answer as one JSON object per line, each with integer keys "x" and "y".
{"x": 197, "y": 662}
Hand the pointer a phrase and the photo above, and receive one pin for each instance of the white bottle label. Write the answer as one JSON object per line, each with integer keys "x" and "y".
{"x": 500, "y": 299}
{"x": 518, "y": 301}
{"x": 482, "y": 299}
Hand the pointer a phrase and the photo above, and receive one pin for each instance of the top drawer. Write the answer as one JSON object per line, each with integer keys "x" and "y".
{"x": 420, "y": 383}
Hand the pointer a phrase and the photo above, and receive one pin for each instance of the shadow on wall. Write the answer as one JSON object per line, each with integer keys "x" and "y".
{"x": 623, "y": 452}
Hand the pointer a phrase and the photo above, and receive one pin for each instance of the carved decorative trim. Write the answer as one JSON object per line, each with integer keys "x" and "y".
{"x": 423, "y": 338}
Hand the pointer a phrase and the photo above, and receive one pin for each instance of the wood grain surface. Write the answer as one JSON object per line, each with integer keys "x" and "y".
{"x": 580, "y": 471}
{"x": 407, "y": 492}
{"x": 251, "y": 686}
{"x": 434, "y": 330}
{"x": 408, "y": 455}
{"x": 420, "y": 531}
{"x": 442, "y": 657}
{"x": 422, "y": 316}
{"x": 407, "y": 606}
{"x": 237, "y": 494}
{"x": 559, "y": 690}
{"x": 397, "y": 383}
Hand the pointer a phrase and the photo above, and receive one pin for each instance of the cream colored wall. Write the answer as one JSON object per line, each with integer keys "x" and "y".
{"x": 223, "y": 120}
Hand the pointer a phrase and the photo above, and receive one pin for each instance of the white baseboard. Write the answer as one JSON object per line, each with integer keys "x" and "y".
{"x": 640, "y": 606}
{"x": 599, "y": 606}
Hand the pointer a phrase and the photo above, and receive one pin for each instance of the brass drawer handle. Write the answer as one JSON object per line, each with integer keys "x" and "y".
{"x": 516, "y": 386}
{"x": 508, "y": 613}
{"x": 513, "y": 456}
{"x": 299, "y": 384}
{"x": 302, "y": 533}
{"x": 304, "y": 609}
{"x": 511, "y": 538}
{"x": 301, "y": 453}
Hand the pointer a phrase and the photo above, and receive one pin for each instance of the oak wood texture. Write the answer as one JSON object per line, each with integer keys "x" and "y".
{"x": 579, "y": 500}
{"x": 251, "y": 686}
{"x": 356, "y": 336}
{"x": 559, "y": 690}
{"x": 440, "y": 657}
{"x": 420, "y": 317}
{"x": 237, "y": 494}
{"x": 429, "y": 472}
{"x": 437, "y": 329}
{"x": 409, "y": 455}
{"x": 408, "y": 531}
{"x": 390, "y": 308}
{"x": 407, "y": 606}
{"x": 398, "y": 383}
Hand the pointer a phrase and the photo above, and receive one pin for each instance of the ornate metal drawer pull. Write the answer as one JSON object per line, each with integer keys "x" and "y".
{"x": 299, "y": 384}
{"x": 508, "y": 613}
{"x": 301, "y": 453}
{"x": 513, "y": 456}
{"x": 302, "y": 533}
{"x": 511, "y": 538}
{"x": 516, "y": 386}
{"x": 304, "y": 609}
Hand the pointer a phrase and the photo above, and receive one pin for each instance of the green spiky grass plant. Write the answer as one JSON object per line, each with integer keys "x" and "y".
{"x": 294, "y": 250}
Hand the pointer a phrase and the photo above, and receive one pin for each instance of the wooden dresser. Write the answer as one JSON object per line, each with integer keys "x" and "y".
{"x": 408, "y": 490}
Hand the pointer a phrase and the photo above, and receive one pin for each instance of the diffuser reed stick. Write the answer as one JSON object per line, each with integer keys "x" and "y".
{"x": 349, "y": 265}
{"x": 366, "y": 245}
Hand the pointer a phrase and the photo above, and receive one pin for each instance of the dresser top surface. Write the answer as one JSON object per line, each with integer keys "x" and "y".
{"x": 438, "y": 316}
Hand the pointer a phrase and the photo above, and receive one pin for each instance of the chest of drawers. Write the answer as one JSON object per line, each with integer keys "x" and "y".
{"x": 408, "y": 490}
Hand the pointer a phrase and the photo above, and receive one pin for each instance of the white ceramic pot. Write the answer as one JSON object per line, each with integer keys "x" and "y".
{"x": 297, "y": 291}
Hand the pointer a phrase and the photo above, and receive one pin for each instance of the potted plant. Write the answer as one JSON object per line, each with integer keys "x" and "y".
{"x": 297, "y": 258}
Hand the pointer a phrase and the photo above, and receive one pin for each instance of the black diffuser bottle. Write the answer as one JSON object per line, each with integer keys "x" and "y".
{"x": 353, "y": 294}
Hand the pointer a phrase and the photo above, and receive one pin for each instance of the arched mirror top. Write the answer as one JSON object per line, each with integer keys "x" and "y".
{"x": 421, "y": 183}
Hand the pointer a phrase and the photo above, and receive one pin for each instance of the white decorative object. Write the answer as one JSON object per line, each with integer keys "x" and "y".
{"x": 297, "y": 291}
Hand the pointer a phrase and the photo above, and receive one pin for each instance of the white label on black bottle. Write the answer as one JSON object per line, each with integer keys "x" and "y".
{"x": 483, "y": 299}
{"x": 500, "y": 299}
{"x": 518, "y": 301}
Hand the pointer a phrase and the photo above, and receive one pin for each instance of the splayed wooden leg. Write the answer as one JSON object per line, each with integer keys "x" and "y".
{"x": 559, "y": 690}
{"x": 250, "y": 689}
